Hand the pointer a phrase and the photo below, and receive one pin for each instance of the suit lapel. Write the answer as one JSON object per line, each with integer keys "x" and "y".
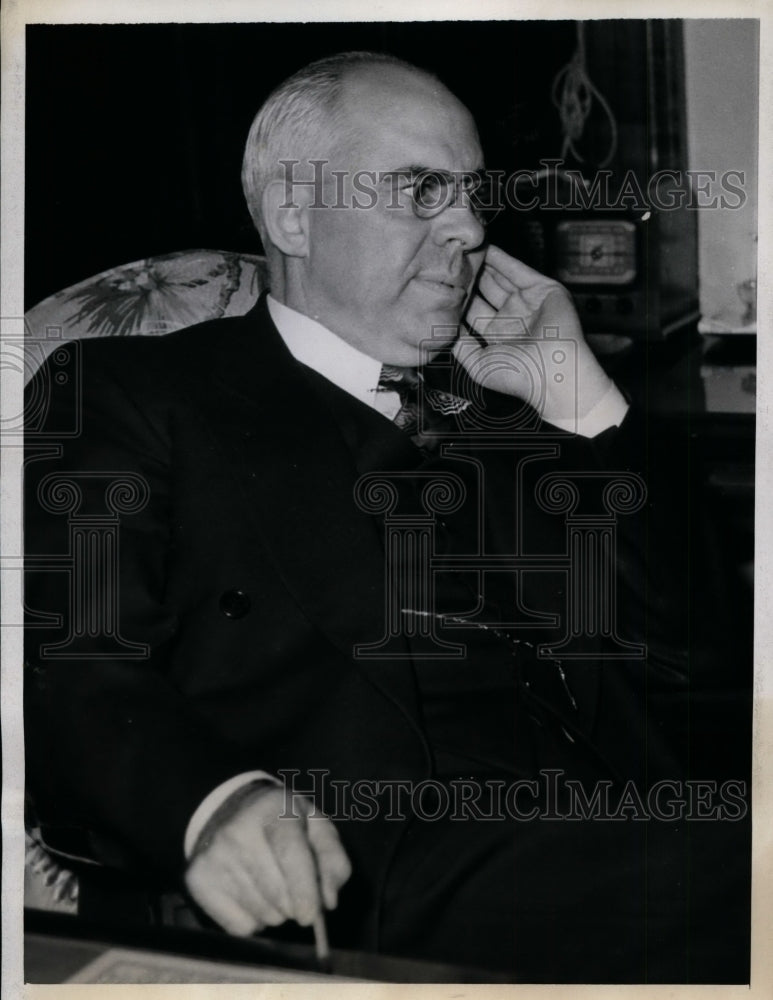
{"x": 298, "y": 476}
{"x": 294, "y": 446}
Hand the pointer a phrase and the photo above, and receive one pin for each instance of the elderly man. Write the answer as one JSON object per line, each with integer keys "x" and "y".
{"x": 256, "y": 578}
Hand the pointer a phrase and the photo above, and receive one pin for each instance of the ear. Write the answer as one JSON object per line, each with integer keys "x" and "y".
{"x": 285, "y": 217}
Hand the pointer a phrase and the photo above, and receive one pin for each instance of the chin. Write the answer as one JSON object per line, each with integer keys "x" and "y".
{"x": 421, "y": 353}
{"x": 444, "y": 329}
{"x": 420, "y": 336}
{"x": 441, "y": 323}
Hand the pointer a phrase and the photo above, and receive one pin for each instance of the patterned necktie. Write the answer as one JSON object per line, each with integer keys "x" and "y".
{"x": 426, "y": 414}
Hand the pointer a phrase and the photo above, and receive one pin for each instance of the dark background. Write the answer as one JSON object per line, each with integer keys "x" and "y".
{"x": 135, "y": 132}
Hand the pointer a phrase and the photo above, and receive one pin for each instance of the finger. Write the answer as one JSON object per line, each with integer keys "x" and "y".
{"x": 491, "y": 288}
{"x": 333, "y": 866}
{"x": 514, "y": 270}
{"x": 497, "y": 275}
{"x": 520, "y": 299}
{"x": 239, "y": 883}
{"x": 241, "y": 844}
{"x": 296, "y": 862}
{"x": 478, "y": 314}
{"x": 239, "y": 871}
{"x": 266, "y": 873}
{"x": 219, "y": 905}
{"x": 514, "y": 302}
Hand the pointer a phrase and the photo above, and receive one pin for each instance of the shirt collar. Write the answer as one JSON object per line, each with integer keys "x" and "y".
{"x": 325, "y": 352}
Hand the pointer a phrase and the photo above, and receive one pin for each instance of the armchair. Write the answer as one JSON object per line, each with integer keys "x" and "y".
{"x": 152, "y": 297}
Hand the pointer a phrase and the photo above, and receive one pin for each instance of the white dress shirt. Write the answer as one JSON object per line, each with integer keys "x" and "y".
{"x": 345, "y": 366}
{"x": 356, "y": 373}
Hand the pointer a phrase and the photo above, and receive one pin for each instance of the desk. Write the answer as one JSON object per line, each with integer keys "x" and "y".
{"x": 58, "y": 948}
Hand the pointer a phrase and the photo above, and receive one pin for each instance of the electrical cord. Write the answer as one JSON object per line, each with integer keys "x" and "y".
{"x": 573, "y": 93}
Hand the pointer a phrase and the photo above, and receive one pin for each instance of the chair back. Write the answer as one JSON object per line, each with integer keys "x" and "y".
{"x": 153, "y": 296}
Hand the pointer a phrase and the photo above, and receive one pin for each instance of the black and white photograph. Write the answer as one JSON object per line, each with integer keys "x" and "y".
{"x": 381, "y": 573}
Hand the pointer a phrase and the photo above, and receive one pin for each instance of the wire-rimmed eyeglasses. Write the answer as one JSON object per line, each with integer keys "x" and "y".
{"x": 433, "y": 190}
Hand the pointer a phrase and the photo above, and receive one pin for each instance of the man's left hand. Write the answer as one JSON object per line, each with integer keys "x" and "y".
{"x": 512, "y": 307}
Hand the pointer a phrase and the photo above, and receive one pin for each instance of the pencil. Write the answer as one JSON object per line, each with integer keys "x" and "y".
{"x": 321, "y": 945}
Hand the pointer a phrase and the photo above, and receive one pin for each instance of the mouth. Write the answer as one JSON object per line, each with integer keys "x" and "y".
{"x": 445, "y": 288}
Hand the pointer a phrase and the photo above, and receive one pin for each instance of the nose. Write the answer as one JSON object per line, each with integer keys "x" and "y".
{"x": 459, "y": 222}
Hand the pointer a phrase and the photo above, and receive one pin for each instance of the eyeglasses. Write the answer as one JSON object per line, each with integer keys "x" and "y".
{"x": 434, "y": 190}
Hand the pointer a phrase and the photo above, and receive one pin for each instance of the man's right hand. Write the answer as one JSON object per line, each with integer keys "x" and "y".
{"x": 265, "y": 857}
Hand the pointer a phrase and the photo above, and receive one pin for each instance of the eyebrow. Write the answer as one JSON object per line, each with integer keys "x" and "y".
{"x": 412, "y": 168}
{"x": 415, "y": 168}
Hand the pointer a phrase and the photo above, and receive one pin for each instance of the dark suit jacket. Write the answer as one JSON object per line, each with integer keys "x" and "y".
{"x": 250, "y": 574}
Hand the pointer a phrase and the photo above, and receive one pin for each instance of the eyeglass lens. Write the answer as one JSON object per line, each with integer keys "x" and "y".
{"x": 433, "y": 190}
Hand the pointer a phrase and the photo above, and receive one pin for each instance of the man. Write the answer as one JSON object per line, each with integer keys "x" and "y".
{"x": 257, "y": 581}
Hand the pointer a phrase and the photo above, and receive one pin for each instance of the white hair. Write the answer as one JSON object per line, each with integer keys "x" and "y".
{"x": 299, "y": 120}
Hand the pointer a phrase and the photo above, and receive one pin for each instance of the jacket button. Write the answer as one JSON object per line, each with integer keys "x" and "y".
{"x": 234, "y": 603}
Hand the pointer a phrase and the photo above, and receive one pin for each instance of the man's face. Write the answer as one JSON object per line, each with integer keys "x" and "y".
{"x": 380, "y": 277}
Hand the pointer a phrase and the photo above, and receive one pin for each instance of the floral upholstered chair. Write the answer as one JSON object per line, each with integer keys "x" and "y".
{"x": 152, "y": 297}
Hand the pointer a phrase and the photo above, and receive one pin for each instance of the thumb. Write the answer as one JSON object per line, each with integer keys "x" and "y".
{"x": 467, "y": 350}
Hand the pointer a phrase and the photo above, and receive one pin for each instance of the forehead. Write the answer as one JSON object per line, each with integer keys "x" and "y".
{"x": 394, "y": 117}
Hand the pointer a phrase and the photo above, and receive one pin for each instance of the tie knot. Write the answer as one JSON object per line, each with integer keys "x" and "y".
{"x": 396, "y": 379}
{"x": 425, "y": 414}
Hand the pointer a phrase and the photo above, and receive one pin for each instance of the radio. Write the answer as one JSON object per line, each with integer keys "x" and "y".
{"x": 628, "y": 273}
{"x": 600, "y": 157}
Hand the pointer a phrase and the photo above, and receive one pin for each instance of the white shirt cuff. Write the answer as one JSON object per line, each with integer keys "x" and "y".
{"x": 609, "y": 411}
{"x": 214, "y": 800}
